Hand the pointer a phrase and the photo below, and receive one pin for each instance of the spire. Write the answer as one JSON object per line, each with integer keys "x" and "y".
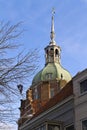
{"x": 52, "y": 35}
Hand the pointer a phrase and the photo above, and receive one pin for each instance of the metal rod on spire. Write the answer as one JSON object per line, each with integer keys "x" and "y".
{"x": 53, "y": 11}
{"x": 52, "y": 36}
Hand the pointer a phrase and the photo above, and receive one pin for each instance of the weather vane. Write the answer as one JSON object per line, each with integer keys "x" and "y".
{"x": 53, "y": 11}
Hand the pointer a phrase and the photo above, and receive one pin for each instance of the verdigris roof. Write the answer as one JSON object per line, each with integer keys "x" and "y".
{"x": 56, "y": 71}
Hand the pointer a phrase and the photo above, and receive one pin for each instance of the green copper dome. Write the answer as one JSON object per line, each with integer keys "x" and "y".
{"x": 52, "y": 71}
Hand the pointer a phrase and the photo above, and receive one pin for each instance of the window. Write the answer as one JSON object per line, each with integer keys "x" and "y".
{"x": 84, "y": 125}
{"x": 83, "y": 86}
{"x": 71, "y": 127}
{"x": 47, "y": 52}
{"x": 51, "y": 49}
{"x": 41, "y": 127}
{"x": 53, "y": 127}
{"x": 51, "y": 92}
{"x": 35, "y": 93}
{"x": 49, "y": 126}
{"x": 49, "y": 76}
{"x": 56, "y": 53}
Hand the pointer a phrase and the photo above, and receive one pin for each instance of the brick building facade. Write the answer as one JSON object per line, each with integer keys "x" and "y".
{"x": 52, "y": 101}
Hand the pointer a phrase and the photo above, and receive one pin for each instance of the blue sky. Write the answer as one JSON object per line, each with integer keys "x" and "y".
{"x": 70, "y": 27}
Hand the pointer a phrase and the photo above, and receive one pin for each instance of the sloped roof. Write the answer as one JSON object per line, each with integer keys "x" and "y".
{"x": 55, "y": 69}
{"x": 63, "y": 94}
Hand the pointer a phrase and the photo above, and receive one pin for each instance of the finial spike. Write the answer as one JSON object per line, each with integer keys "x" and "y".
{"x": 52, "y": 36}
{"x": 53, "y": 11}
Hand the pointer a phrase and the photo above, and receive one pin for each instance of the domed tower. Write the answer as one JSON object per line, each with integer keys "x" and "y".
{"x": 53, "y": 69}
{"x": 51, "y": 79}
